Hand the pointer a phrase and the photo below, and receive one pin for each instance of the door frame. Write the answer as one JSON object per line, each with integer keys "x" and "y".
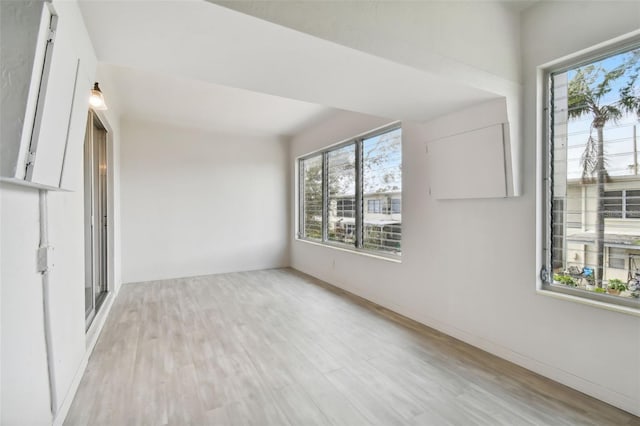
{"x": 101, "y": 116}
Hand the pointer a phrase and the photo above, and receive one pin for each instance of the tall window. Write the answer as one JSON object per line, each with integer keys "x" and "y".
{"x": 351, "y": 194}
{"x": 382, "y": 179}
{"x": 311, "y": 189}
{"x": 593, "y": 220}
{"x": 341, "y": 175}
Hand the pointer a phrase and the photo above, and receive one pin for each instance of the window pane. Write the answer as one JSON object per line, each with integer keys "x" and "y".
{"x": 617, "y": 258}
{"x": 382, "y": 183}
{"x": 613, "y": 204}
{"x": 341, "y": 173}
{"x": 312, "y": 197}
{"x": 373, "y": 206}
{"x": 346, "y": 207}
{"x": 595, "y": 174}
{"x": 557, "y": 239}
{"x": 396, "y": 205}
{"x": 633, "y": 204}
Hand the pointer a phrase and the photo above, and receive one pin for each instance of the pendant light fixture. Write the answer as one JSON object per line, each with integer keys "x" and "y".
{"x": 97, "y": 98}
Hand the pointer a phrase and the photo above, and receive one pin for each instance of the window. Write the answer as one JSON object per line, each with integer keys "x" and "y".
{"x": 594, "y": 178}
{"x": 617, "y": 258}
{"x": 382, "y": 179}
{"x": 374, "y": 206}
{"x": 341, "y": 176}
{"x": 311, "y": 183}
{"x": 338, "y": 183}
{"x": 613, "y": 206}
{"x": 623, "y": 204}
{"x": 396, "y": 205}
{"x": 632, "y": 204}
{"x": 346, "y": 208}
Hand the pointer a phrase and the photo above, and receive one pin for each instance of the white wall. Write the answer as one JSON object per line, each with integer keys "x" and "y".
{"x": 196, "y": 203}
{"x": 24, "y": 382}
{"x": 25, "y": 389}
{"x": 469, "y": 269}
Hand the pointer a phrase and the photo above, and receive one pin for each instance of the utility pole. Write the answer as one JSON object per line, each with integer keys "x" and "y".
{"x": 635, "y": 149}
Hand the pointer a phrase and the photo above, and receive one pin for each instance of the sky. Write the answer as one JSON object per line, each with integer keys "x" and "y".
{"x": 619, "y": 149}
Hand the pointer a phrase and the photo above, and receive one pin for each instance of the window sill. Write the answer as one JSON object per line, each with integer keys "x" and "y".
{"x": 394, "y": 259}
{"x": 563, "y": 294}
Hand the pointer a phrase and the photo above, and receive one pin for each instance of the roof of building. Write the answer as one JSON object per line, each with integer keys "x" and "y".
{"x": 620, "y": 240}
{"x": 376, "y": 222}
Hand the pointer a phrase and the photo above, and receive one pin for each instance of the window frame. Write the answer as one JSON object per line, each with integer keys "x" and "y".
{"x": 377, "y": 206}
{"x": 396, "y": 202}
{"x": 613, "y": 257}
{"x": 340, "y": 207}
{"x": 608, "y": 198}
{"x": 544, "y": 171}
{"x": 360, "y": 208}
{"x": 625, "y": 213}
{"x": 301, "y": 221}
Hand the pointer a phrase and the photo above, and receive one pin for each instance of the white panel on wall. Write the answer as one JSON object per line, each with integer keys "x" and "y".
{"x": 47, "y": 65}
{"x": 469, "y": 165}
{"x": 22, "y": 48}
{"x": 51, "y": 129}
{"x": 470, "y": 153}
{"x": 70, "y": 180}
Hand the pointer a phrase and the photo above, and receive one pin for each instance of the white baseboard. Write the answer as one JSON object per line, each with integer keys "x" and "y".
{"x": 566, "y": 378}
{"x": 92, "y": 337}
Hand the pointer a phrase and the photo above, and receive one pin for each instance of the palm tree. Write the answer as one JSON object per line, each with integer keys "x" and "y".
{"x": 589, "y": 95}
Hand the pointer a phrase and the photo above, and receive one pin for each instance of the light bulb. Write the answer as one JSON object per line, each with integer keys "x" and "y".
{"x": 97, "y": 98}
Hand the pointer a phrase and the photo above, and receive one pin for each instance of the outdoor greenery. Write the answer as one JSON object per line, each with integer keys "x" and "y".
{"x": 565, "y": 279}
{"x": 312, "y": 198}
{"x": 616, "y": 284}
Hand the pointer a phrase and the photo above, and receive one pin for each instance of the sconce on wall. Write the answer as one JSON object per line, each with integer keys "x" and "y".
{"x": 97, "y": 98}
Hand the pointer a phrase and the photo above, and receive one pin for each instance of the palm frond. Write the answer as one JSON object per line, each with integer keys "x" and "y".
{"x": 578, "y": 95}
{"x": 630, "y": 95}
{"x": 589, "y": 159}
{"x": 604, "y": 86}
{"x": 610, "y": 113}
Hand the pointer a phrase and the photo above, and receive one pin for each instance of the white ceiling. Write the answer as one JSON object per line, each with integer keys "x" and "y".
{"x": 150, "y": 96}
{"x": 192, "y": 49}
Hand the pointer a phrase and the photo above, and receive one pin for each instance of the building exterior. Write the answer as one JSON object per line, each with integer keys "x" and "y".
{"x": 382, "y": 213}
{"x": 622, "y": 226}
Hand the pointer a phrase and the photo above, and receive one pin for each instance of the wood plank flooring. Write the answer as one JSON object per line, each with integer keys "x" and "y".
{"x": 277, "y": 347}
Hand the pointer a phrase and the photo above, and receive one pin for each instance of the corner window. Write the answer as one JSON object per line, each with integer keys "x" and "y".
{"x": 594, "y": 179}
{"x": 350, "y": 195}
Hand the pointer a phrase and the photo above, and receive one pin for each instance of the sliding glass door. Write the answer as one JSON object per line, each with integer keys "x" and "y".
{"x": 96, "y": 216}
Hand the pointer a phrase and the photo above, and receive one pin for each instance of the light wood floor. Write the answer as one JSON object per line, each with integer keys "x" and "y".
{"x": 277, "y": 347}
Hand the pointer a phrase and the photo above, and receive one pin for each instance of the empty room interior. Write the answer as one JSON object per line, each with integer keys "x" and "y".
{"x": 319, "y": 212}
